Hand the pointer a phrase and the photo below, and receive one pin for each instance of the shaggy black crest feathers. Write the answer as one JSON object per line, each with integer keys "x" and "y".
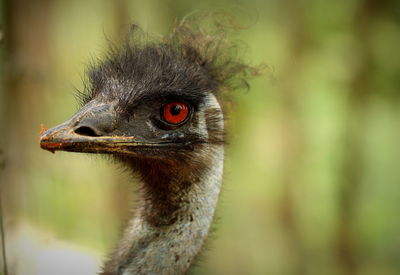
{"x": 187, "y": 63}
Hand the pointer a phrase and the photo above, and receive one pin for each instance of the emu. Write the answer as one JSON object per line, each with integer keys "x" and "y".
{"x": 156, "y": 107}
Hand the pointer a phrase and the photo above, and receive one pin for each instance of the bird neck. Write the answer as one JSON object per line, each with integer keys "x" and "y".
{"x": 174, "y": 215}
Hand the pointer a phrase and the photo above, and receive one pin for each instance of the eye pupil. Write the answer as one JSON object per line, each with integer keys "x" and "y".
{"x": 175, "y": 112}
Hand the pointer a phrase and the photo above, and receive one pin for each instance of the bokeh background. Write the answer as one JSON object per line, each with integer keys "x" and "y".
{"x": 312, "y": 181}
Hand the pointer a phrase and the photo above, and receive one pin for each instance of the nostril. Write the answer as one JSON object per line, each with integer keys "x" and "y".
{"x": 86, "y": 131}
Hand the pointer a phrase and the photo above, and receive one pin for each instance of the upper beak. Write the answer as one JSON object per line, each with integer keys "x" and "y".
{"x": 91, "y": 130}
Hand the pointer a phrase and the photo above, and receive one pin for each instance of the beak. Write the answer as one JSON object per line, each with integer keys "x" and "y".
{"x": 91, "y": 130}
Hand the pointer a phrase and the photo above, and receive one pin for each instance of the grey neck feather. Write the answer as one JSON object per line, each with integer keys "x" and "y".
{"x": 170, "y": 226}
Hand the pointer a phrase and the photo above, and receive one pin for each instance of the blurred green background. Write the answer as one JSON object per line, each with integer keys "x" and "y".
{"x": 312, "y": 180}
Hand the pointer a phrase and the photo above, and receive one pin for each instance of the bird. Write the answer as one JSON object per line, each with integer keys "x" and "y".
{"x": 157, "y": 106}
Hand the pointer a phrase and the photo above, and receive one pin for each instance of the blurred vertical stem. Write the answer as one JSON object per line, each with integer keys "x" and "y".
{"x": 3, "y": 264}
{"x": 2, "y": 232}
{"x": 27, "y": 59}
{"x": 26, "y": 63}
{"x": 357, "y": 122}
{"x": 292, "y": 135}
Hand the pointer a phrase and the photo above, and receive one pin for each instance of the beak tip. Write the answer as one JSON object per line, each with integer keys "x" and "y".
{"x": 45, "y": 140}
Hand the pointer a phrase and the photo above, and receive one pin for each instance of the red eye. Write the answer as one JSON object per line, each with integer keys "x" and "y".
{"x": 175, "y": 112}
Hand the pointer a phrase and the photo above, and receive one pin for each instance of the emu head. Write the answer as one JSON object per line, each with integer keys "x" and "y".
{"x": 152, "y": 100}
